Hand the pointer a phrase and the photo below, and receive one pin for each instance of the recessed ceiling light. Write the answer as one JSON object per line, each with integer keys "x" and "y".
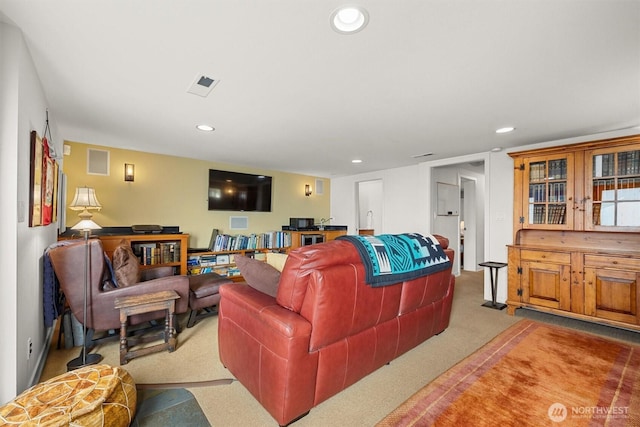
{"x": 496, "y": 149}
{"x": 349, "y": 19}
{"x": 505, "y": 129}
{"x": 356, "y": 161}
{"x": 205, "y": 128}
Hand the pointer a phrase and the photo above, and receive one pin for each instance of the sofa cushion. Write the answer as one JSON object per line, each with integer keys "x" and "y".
{"x": 125, "y": 265}
{"x": 276, "y": 260}
{"x": 258, "y": 274}
{"x": 207, "y": 284}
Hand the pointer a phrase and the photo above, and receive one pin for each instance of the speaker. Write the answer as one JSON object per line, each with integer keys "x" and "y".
{"x": 238, "y": 222}
{"x": 97, "y": 162}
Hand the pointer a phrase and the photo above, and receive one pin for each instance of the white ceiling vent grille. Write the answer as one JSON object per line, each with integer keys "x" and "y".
{"x": 202, "y": 85}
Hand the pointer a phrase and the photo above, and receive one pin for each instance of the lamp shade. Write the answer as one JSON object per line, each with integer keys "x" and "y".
{"x": 85, "y": 198}
{"x": 86, "y": 225}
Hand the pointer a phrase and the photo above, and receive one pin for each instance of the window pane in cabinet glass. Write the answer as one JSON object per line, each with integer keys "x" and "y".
{"x": 596, "y": 213}
{"x": 536, "y": 193}
{"x": 628, "y": 193}
{"x": 601, "y": 185}
{"x": 537, "y": 214}
{"x": 607, "y": 214}
{"x": 556, "y": 214}
{"x": 537, "y": 171}
{"x": 629, "y": 163}
{"x": 558, "y": 169}
{"x": 628, "y": 214}
{"x": 557, "y": 191}
{"x": 628, "y": 184}
{"x": 603, "y": 165}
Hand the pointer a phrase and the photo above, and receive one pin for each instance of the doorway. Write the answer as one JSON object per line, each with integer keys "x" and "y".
{"x": 369, "y": 215}
{"x": 466, "y": 240}
{"x": 468, "y": 225}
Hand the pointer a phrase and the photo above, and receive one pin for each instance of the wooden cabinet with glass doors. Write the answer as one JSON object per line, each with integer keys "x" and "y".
{"x": 576, "y": 245}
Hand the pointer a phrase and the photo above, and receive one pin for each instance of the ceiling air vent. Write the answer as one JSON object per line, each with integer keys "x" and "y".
{"x": 202, "y": 85}
{"x": 418, "y": 156}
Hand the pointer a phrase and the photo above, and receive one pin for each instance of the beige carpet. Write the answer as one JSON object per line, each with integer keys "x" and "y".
{"x": 363, "y": 404}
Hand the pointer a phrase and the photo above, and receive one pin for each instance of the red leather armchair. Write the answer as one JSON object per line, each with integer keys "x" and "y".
{"x": 68, "y": 263}
{"x": 326, "y": 329}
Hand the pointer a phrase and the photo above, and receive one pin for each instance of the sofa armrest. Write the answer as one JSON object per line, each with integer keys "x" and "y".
{"x": 266, "y": 347}
{"x": 155, "y": 273}
{"x": 104, "y": 315}
{"x": 262, "y": 317}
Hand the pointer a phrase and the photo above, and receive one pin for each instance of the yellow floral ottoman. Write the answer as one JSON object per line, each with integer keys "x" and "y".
{"x": 98, "y": 395}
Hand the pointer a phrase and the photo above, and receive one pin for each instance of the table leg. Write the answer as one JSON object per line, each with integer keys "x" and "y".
{"x": 123, "y": 338}
{"x": 170, "y": 333}
{"x": 492, "y": 272}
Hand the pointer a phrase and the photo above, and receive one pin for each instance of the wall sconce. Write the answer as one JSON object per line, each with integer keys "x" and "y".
{"x": 129, "y": 173}
{"x": 307, "y": 190}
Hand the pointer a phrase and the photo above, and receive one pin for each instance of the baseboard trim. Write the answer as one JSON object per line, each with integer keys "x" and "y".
{"x": 42, "y": 357}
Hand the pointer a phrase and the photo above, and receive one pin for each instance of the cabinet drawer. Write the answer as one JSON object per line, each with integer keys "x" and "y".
{"x": 608, "y": 261}
{"x": 557, "y": 257}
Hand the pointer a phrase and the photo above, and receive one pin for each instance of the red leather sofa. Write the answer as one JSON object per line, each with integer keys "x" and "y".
{"x": 326, "y": 329}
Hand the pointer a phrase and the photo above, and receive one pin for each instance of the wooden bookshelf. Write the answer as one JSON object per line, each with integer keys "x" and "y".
{"x": 170, "y": 249}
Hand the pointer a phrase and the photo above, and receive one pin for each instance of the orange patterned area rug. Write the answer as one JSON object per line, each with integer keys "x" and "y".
{"x": 533, "y": 374}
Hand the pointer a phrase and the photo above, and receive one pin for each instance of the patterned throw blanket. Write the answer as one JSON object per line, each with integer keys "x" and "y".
{"x": 393, "y": 258}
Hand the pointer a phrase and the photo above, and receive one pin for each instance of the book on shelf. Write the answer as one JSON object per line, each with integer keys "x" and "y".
{"x": 557, "y": 214}
{"x": 596, "y": 213}
{"x": 537, "y": 171}
{"x": 272, "y": 239}
{"x": 233, "y": 271}
{"x": 157, "y": 253}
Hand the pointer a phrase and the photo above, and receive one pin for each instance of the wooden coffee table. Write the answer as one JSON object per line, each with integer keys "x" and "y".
{"x": 139, "y": 304}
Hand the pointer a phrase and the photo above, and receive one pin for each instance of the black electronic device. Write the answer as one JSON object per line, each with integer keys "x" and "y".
{"x": 146, "y": 229}
{"x": 236, "y": 191}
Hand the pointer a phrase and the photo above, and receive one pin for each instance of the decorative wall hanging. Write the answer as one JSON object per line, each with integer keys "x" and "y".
{"x": 43, "y": 206}
{"x": 35, "y": 187}
{"x": 48, "y": 170}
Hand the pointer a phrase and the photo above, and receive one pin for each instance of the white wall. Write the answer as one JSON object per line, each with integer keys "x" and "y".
{"x": 23, "y": 109}
{"x": 402, "y": 201}
{"x": 408, "y": 203}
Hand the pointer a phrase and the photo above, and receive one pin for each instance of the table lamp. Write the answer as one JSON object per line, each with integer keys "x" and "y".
{"x": 84, "y": 199}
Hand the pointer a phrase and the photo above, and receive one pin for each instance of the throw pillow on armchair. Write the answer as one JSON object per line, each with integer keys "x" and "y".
{"x": 125, "y": 265}
{"x": 258, "y": 274}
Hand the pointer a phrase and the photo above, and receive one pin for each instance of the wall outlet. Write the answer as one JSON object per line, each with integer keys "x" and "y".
{"x": 29, "y": 347}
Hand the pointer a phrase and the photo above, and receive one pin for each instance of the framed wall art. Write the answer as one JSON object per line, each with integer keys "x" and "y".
{"x": 35, "y": 187}
{"x": 43, "y": 186}
{"x": 48, "y": 182}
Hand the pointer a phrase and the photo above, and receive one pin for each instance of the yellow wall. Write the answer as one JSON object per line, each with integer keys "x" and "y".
{"x": 172, "y": 191}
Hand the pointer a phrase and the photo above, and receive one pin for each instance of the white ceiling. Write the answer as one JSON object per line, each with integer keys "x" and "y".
{"x": 424, "y": 76}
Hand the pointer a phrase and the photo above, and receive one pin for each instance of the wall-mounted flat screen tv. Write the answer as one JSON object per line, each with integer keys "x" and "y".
{"x": 235, "y": 191}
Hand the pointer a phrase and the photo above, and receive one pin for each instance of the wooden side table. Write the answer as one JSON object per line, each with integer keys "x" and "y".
{"x": 138, "y": 304}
